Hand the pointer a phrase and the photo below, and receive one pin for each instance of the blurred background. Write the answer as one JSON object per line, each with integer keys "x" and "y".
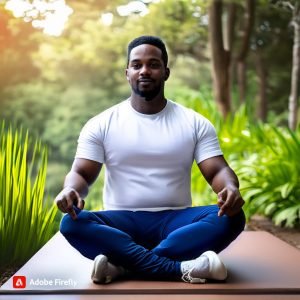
{"x": 236, "y": 62}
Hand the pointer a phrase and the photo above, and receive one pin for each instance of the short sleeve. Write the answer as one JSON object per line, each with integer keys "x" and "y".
{"x": 207, "y": 144}
{"x": 90, "y": 142}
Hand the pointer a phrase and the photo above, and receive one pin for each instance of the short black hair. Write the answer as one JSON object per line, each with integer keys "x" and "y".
{"x": 150, "y": 40}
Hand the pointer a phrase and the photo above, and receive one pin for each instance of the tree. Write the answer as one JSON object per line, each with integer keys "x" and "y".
{"x": 248, "y": 22}
{"x": 271, "y": 45}
{"x": 293, "y": 7}
{"x": 181, "y": 24}
{"x": 222, "y": 53}
{"x": 220, "y": 58}
{"x": 293, "y": 99}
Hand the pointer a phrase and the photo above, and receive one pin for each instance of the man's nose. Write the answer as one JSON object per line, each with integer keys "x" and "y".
{"x": 145, "y": 70}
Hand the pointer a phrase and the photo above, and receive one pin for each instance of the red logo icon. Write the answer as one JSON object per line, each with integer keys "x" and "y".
{"x": 19, "y": 282}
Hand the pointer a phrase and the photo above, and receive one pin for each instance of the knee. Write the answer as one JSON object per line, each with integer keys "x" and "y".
{"x": 67, "y": 225}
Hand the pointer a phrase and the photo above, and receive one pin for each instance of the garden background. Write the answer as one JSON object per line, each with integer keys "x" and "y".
{"x": 235, "y": 62}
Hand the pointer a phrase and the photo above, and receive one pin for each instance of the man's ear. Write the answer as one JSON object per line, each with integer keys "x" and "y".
{"x": 126, "y": 73}
{"x": 167, "y": 73}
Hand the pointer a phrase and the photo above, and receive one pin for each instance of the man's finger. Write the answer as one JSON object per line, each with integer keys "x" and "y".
{"x": 71, "y": 199}
{"x": 81, "y": 203}
{"x": 64, "y": 205}
{"x": 60, "y": 206}
{"x": 221, "y": 198}
{"x": 220, "y": 212}
{"x": 226, "y": 206}
{"x": 77, "y": 199}
{"x": 67, "y": 200}
{"x": 72, "y": 213}
{"x": 222, "y": 194}
{"x": 220, "y": 202}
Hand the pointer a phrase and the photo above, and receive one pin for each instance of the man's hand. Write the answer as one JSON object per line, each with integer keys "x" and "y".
{"x": 66, "y": 199}
{"x": 230, "y": 201}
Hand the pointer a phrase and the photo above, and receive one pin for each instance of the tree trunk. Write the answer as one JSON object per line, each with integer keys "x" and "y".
{"x": 241, "y": 79}
{"x": 220, "y": 59}
{"x": 241, "y": 58}
{"x": 229, "y": 32}
{"x": 293, "y": 105}
{"x": 262, "y": 103}
{"x": 229, "y": 38}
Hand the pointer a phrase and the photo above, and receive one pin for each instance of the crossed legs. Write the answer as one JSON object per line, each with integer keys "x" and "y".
{"x": 151, "y": 243}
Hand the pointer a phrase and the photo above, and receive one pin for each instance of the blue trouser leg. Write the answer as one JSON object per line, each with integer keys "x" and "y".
{"x": 91, "y": 236}
{"x": 151, "y": 243}
{"x": 192, "y": 231}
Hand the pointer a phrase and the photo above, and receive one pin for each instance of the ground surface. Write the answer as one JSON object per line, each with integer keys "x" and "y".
{"x": 289, "y": 235}
{"x": 257, "y": 223}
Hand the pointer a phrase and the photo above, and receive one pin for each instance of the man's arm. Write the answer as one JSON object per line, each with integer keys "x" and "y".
{"x": 224, "y": 182}
{"x": 83, "y": 173}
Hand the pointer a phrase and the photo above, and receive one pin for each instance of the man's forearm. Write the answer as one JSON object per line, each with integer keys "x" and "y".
{"x": 225, "y": 177}
{"x": 77, "y": 182}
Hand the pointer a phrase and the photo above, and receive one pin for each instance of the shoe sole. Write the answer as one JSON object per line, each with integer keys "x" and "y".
{"x": 98, "y": 274}
{"x": 217, "y": 269}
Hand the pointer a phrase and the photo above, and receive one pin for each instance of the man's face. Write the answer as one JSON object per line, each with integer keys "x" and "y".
{"x": 146, "y": 72}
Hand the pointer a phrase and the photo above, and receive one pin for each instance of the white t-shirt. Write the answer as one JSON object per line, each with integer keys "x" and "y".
{"x": 148, "y": 158}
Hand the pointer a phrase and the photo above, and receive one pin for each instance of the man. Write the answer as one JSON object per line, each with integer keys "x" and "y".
{"x": 148, "y": 145}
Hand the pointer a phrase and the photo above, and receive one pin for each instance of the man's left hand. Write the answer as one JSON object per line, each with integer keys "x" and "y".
{"x": 230, "y": 201}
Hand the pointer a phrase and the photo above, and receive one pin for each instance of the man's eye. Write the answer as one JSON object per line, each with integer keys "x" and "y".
{"x": 136, "y": 66}
{"x": 155, "y": 65}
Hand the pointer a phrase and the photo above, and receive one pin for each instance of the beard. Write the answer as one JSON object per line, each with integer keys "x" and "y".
{"x": 148, "y": 95}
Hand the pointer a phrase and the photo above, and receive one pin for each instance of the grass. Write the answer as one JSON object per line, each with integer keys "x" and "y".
{"x": 26, "y": 217}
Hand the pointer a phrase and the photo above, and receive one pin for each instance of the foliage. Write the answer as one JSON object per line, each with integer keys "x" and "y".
{"x": 265, "y": 158}
{"x": 52, "y": 85}
{"x": 272, "y": 38}
{"x": 26, "y": 221}
{"x": 30, "y": 104}
{"x": 76, "y": 105}
{"x": 182, "y": 24}
{"x": 271, "y": 176}
{"x": 16, "y": 46}
{"x": 90, "y": 52}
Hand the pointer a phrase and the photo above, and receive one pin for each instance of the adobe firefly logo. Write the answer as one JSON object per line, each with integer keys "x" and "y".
{"x": 19, "y": 282}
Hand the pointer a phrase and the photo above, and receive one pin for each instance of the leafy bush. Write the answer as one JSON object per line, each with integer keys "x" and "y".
{"x": 26, "y": 221}
{"x": 271, "y": 177}
{"x": 264, "y": 157}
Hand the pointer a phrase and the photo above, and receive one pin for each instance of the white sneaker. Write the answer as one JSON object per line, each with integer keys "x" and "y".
{"x": 207, "y": 266}
{"x": 105, "y": 272}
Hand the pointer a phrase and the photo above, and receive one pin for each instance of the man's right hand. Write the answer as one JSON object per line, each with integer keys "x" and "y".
{"x": 66, "y": 199}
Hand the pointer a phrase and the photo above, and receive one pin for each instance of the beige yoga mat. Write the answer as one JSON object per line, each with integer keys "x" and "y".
{"x": 258, "y": 264}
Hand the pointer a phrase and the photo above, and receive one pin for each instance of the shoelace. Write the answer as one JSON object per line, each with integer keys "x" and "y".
{"x": 187, "y": 277}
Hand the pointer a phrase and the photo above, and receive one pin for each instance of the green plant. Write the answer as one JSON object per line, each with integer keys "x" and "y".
{"x": 265, "y": 158}
{"x": 26, "y": 220}
{"x": 271, "y": 177}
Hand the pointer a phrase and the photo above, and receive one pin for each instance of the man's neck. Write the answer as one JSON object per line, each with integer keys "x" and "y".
{"x": 151, "y": 107}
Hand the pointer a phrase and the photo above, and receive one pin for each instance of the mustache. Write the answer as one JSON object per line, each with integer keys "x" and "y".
{"x": 145, "y": 80}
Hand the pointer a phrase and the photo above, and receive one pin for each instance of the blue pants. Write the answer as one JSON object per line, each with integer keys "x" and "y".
{"x": 151, "y": 243}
